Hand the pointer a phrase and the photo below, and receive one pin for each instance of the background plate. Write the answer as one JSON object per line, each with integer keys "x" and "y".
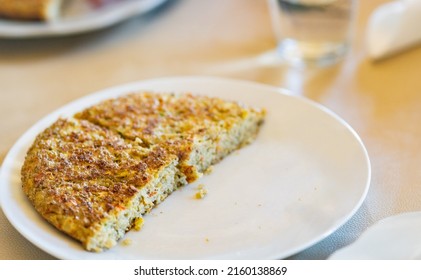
{"x": 304, "y": 176}
{"x": 78, "y": 17}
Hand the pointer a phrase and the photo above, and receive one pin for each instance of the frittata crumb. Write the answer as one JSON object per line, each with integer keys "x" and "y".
{"x": 126, "y": 242}
{"x": 201, "y": 192}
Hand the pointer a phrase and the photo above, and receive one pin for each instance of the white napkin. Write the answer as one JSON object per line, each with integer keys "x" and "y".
{"x": 394, "y": 238}
{"x": 394, "y": 27}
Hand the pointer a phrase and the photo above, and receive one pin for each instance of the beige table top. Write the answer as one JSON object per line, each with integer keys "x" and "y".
{"x": 381, "y": 101}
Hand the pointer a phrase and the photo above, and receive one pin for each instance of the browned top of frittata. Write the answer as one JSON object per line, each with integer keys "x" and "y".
{"x": 155, "y": 118}
{"x": 174, "y": 121}
{"x": 76, "y": 173}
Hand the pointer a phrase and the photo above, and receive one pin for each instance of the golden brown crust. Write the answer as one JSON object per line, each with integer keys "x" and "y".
{"x": 26, "y": 9}
{"x": 151, "y": 116}
{"x": 76, "y": 174}
{"x": 175, "y": 121}
{"x": 94, "y": 175}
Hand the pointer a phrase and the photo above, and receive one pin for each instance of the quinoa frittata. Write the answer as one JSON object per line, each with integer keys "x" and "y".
{"x": 94, "y": 176}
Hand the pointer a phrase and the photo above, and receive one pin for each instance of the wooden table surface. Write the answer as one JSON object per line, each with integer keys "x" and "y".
{"x": 380, "y": 100}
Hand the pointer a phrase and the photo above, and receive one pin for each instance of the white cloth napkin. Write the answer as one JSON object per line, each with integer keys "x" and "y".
{"x": 397, "y": 237}
{"x": 394, "y": 27}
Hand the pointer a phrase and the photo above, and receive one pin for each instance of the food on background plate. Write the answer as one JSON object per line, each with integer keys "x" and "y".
{"x": 94, "y": 175}
{"x": 30, "y": 9}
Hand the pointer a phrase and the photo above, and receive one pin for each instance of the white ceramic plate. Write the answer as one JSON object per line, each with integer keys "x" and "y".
{"x": 305, "y": 175}
{"x": 394, "y": 238}
{"x": 78, "y": 17}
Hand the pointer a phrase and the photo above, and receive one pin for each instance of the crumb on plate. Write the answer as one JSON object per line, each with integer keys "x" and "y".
{"x": 126, "y": 242}
{"x": 201, "y": 192}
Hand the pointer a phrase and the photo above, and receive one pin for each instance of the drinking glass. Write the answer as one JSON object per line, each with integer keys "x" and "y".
{"x": 313, "y": 31}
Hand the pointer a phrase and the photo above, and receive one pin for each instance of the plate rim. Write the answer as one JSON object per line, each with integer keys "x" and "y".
{"x": 129, "y": 87}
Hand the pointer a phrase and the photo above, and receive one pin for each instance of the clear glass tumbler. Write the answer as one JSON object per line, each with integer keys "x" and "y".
{"x": 313, "y": 31}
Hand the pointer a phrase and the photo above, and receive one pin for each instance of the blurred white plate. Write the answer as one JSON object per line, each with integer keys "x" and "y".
{"x": 394, "y": 238}
{"x": 304, "y": 176}
{"x": 78, "y": 17}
